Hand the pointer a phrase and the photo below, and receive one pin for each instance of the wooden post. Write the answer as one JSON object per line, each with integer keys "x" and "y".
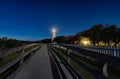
{"x": 119, "y": 51}
{"x": 21, "y": 58}
{"x": 68, "y": 53}
{"x": 32, "y": 51}
{"x": 105, "y": 69}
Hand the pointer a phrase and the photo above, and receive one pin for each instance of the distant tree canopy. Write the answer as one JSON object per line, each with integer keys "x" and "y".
{"x": 44, "y": 41}
{"x": 99, "y": 32}
{"x": 107, "y": 34}
{"x": 61, "y": 39}
{"x": 64, "y": 39}
{"x": 8, "y": 43}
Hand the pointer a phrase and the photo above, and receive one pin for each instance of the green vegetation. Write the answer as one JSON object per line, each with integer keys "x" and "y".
{"x": 14, "y": 55}
{"x": 60, "y": 53}
{"x": 9, "y": 58}
{"x": 61, "y": 39}
{"x": 85, "y": 74}
{"x": 64, "y": 39}
{"x": 92, "y": 63}
{"x": 29, "y": 48}
{"x": 81, "y": 71}
{"x": 9, "y": 43}
{"x": 101, "y": 33}
{"x": 113, "y": 72}
{"x": 6, "y": 43}
{"x": 44, "y": 41}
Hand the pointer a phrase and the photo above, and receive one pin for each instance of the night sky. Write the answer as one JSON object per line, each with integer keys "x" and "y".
{"x": 32, "y": 19}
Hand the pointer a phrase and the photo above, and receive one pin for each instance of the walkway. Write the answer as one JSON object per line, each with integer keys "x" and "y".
{"x": 38, "y": 67}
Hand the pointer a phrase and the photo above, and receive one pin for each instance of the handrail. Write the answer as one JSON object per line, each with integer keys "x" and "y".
{"x": 6, "y": 67}
{"x": 95, "y": 73}
{"x": 101, "y": 57}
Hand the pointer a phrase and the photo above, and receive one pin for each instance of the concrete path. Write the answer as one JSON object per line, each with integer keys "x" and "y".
{"x": 38, "y": 67}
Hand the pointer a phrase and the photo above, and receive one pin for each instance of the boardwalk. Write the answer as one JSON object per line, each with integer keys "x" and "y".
{"x": 38, "y": 67}
{"x": 56, "y": 62}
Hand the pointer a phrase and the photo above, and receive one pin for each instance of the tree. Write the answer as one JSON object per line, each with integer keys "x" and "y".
{"x": 9, "y": 43}
{"x": 110, "y": 34}
{"x": 93, "y": 33}
{"x": 99, "y": 32}
{"x": 71, "y": 39}
{"x": 61, "y": 39}
{"x": 45, "y": 41}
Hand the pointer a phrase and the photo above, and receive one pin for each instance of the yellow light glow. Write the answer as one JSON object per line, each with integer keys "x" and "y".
{"x": 54, "y": 30}
{"x": 85, "y": 41}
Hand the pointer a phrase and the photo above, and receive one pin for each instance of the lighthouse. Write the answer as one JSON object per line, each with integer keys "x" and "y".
{"x": 53, "y": 33}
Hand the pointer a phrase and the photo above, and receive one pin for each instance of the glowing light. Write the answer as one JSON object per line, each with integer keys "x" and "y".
{"x": 85, "y": 41}
{"x": 53, "y": 30}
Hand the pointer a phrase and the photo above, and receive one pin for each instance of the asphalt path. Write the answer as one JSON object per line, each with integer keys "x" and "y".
{"x": 38, "y": 67}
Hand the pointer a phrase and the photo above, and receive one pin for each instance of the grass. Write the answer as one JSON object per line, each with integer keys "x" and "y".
{"x": 81, "y": 71}
{"x": 9, "y": 58}
{"x": 27, "y": 49}
{"x": 14, "y": 55}
{"x": 113, "y": 72}
{"x": 92, "y": 63}
{"x": 63, "y": 55}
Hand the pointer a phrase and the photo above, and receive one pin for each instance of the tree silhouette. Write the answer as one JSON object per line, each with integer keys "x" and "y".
{"x": 99, "y": 32}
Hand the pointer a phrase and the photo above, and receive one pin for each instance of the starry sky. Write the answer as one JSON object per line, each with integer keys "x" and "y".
{"x": 33, "y": 19}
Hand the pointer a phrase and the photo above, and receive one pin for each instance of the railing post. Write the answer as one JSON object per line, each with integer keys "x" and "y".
{"x": 105, "y": 69}
{"x": 21, "y": 58}
{"x": 68, "y": 53}
{"x": 32, "y": 51}
{"x": 114, "y": 52}
{"x": 119, "y": 51}
{"x": 109, "y": 50}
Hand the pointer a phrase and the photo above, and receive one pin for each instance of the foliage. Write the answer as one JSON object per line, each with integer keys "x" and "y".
{"x": 44, "y": 41}
{"x": 99, "y": 32}
{"x": 61, "y": 39}
{"x": 9, "y": 43}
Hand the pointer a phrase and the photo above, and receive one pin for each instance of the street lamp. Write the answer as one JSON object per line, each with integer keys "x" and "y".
{"x": 53, "y": 33}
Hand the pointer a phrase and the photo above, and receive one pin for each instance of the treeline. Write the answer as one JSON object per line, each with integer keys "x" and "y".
{"x": 44, "y": 41}
{"x": 106, "y": 33}
{"x": 59, "y": 39}
{"x": 10, "y": 43}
